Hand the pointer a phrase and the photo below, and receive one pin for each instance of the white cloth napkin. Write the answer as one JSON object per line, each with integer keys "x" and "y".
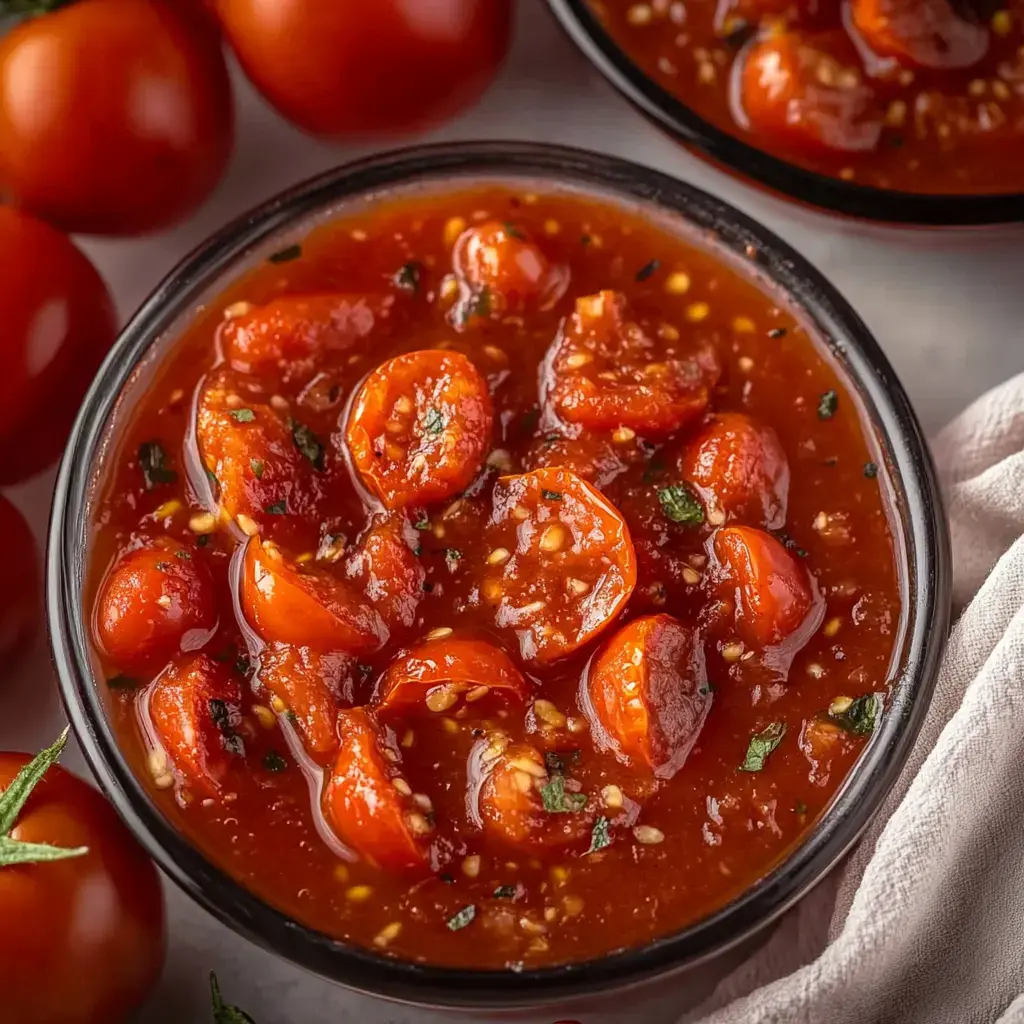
{"x": 924, "y": 923}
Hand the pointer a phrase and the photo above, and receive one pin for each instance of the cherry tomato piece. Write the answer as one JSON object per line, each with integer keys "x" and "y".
{"x": 775, "y": 597}
{"x": 516, "y": 799}
{"x": 419, "y": 427}
{"x": 312, "y": 687}
{"x": 925, "y": 33}
{"x": 58, "y": 322}
{"x": 516, "y": 274}
{"x": 293, "y": 329}
{"x": 155, "y": 602}
{"x": 594, "y": 459}
{"x": 305, "y": 606}
{"x": 738, "y": 467}
{"x": 194, "y": 708}
{"x": 82, "y": 938}
{"x": 439, "y": 672}
{"x": 20, "y": 605}
{"x": 387, "y": 573}
{"x": 809, "y": 91}
{"x": 115, "y": 118}
{"x": 364, "y": 807}
{"x": 560, "y": 564}
{"x": 349, "y": 67}
{"x": 649, "y": 694}
{"x": 606, "y": 371}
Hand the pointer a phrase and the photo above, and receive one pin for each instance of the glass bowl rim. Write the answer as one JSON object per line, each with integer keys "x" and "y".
{"x": 866, "y": 371}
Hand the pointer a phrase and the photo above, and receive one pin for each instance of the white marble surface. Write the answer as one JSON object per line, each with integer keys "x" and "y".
{"x": 947, "y": 307}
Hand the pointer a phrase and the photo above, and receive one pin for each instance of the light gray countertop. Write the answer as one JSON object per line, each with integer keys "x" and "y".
{"x": 947, "y": 307}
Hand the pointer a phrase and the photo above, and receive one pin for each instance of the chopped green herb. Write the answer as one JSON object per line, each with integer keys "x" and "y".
{"x": 418, "y": 550}
{"x": 680, "y": 505}
{"x": 433, "y": 422}
{"x": 827, "y": 405}
{"x": 600, "y": 835}
{"x": 293, "y": 252}
{"x": 800, "y": 807}
{"x": 242, "y": 415}
{"x": 407, "y": 277}
{"x": 162, "y": 566}
{"x": 478, "y": 305}
{"x": 279, "y": 508}
{"x": 123, "y": 682}
{"x": 556, "y": 760}
{"x": 274, "y": 762}
{"x": 422, "y": 521}
{"x": 513, "y": 232}
{"x": 551, "y": 495}
{"x": 557, "y": 800}
{"x": 153, "y": 463}
{"x": 870, "y": 470}
{"x": 222, "y": 1012}
{"x": 459, "y": 920}
{"x": 777, "y": 332}
{"x": 364, "y": 670}
{"x": 789, "y": 544}
{"x": 505, "y": 892}
{"x": 859, "y": 716}
{"x": 257, "y": 468}
{"x": 452, "y": 556}
{"x": 212, "y": 477}
{"x": 308, "y": 443}
{"x": 647, "y": 269}
{"x": 184, "y": 555}
{"x": 226, "y": 719}
{"x": 242, "y": 664}
{"x": 203, "y": 539}
{"x": 291, "y": 716}
{"x": 761, "y": 745}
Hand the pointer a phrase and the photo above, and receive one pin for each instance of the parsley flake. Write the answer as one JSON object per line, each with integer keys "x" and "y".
{"x": 225, "y": 719}
{"x": 680, "y": 506}
{"x": 184, "y": 555}
{"x": 153, "y": 463}
{"x": 858, "y": 716}
{"x": 293, "y": 252}
{"x": 274, "y": 762}
{"x": 242, "y": 415}
{"x": 452, "y": 556}
{"x": 257, "y": 468}
{"x": 162, "y": 566}
{"x": 558, "y": 801}
{"x": 478, "y": 305}
{"x": 513, "y": 232}
{"x": 422, "y": 521}
{"x": 278, "y": 508}
{"x": 827, "y": 405}
{"x": 761, "y": 745}
{"x": 870, "y": 470}
{"x": 505, "y": 892}
{"x": 551, "y": 495}
{"x": 203, "y": 539}
{"x": 433, "y": 422}
{"x": 407, "y": 277}
{"x": 647, "y": 269}
{"x": 600, "y": 835}
{"x": 308, "y": 443}
{"x": 460, "y": 919}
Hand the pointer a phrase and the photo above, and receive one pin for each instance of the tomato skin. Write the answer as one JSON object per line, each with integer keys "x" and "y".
{"x": 20, "y": 605}
{"x": 154, "y": 603}
{"x": 921, "y": 33}
{"x": 83, "y": 144}
{"x": 363, "y": 805}
{"x": 348, "y": 67}
{"x": 52, "y": 303}
{"x": 63, "y": 961}
{"x": 649, "y": 693}
{"x": 387, "y": 573}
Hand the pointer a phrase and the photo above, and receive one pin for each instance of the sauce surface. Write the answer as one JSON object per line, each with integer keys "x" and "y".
{"x": 494, "y": 580}
{"x": 921, "y": 96}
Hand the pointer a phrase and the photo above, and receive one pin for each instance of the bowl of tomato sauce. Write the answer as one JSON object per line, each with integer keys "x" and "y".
{"x": 492, "y": 573}
{"x": 906, "y": 111}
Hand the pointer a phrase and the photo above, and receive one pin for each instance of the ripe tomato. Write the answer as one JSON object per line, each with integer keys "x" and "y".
{"x": 115, "y": 118}
{"x": 58, "y": 322}
{"x": 81, "y": 938}
{"x": 19, "y": 597}
{"x": 383, "y": 67}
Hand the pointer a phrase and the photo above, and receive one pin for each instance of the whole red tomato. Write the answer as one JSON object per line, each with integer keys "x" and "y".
{"x": 115, "y": 117}
{"x": 352, "y": 66}
{"x": 81, "y": 938}
{"x": 20, "y": 610}
{"x": 58, "y": 323}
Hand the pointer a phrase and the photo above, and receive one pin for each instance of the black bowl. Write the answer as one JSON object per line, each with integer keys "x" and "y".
{"x": 746, "y": 160}
{"x": 921, "y": 541}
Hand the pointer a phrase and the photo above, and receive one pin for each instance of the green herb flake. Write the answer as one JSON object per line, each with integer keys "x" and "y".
{"x": 242, "y": 664}
{"x": 256, "y": 466}
{"x": 870, "y": 470}
{"x": 422, "y": 521}
{"x": 556, "y": 760}
{"x": 505, "y": 892}
{"x": 242, "y": 415}
{"x": 478, "y": 305}
{"x": 123, "y": 682}
{"x": 857, "y": 716}
{"x": 452, "y": 556}
{"x": 225, "y": 719}
{"x": 680, "y": 506}
{"x": 551, "y": 495}
{"x": 202, "y": 540}
{"x": 222, "y": 1012}
{"x": 557, "y": 801}
{"x": 433, "y": 422}
{"x": 279, "y": 508}
{"x": 153, "y": 463}
{"x": 407, "y": 277}
{"x": 460, "y": 919}
{"x": 308, "y": 443}
{"x": 513, "y": 232}
{"x": 212, "y": 477}
{"x": 761, "y": 745}
{"x": 274, "y": 762}
{"x": 293, "y": 252}
{"x": 292, "y": 717}
{"x": 799, "y": 807}
{"x": 162, "y": 566}
{"x": 600, "y": 835}
{"x": 647, "y": 270}
{"x": 184, "y": 555}
{"x": 827, "y": 405}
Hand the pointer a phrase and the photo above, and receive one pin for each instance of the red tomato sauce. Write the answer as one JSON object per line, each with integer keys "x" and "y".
{"x": 494, "y": 579}
{"x": 914, "y": 95}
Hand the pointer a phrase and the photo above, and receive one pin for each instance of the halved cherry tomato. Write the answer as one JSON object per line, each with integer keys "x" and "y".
{"x": 58, "y": 322}
{"x": 597, "y": 460}
{"x": 351, "y": 67}
{"x": 295, "y": 328}
{"x": 925, "y": 33}
{"x": 507, "y": 792}
{"x": 250, "y": 448}
{"x": 738, "y": 467}
{"x": 305, "y": 606}
{"x": 312, "y": 686}
{"x": 438, "y": 672}
{"x": 775, "y": 597}
{"x": 649, "y": 693}
{"x": 364, "y": 808}
{"x": 115, "y": 118}
{"x": 154, "y": 603}
{"x": 560, "y": 564}
{"x": 419, "y": 427}
{"x": 20, "y": 611}
{"x": 511, "y": 267}
{"x": 194, "y": 708}
{"x": 387, "y": 573}
{"x": 809, "y": 90}
{"x": 606, "y": 371}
